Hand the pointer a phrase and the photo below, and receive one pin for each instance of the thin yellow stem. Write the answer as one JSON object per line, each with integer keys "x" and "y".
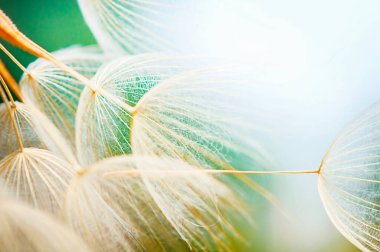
{"x": 117, "y": 101}
{"x": 13, "y": 59}
{"x": 137, "y": 172}
{"x": 88, "y": 83}
{"x": 261, "y": 172}
{"x": 10, "y": 109}
{"x": 12, "y": 83}
{"x": 5, "y": 87}
{"x": 69, "y": 70}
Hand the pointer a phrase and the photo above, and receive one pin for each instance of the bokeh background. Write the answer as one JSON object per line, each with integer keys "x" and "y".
{"x": 321, "y": 60}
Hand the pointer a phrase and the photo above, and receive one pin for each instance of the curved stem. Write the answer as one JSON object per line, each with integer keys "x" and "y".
{"x": 69, "y": 70}
{"x": 8, "y": 77}
{"x": 3, "y": 90}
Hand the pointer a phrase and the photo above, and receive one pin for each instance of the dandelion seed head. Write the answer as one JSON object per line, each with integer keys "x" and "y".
{"x": 35, "y": 130}
{"x": 54, "y": 91}
{"x": 196, "y": 116}
{"x": 103, "y": 122}
{"x": 38, "y": 177}
{"x": 135, "y": 212}
{"x": 349, "y": 181}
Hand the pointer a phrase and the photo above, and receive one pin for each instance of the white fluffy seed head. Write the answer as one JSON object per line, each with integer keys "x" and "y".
{"x": 38, "y": 177}
{"x": 196, "y": 116}
{"x": 34, "y": 130}
{"x": 110, "y": 202}
{"x": 55, "y": 92}
{"x": 103, "y": 121}
{"x": 180, "y": 110}
{"x": 349, "y": 181}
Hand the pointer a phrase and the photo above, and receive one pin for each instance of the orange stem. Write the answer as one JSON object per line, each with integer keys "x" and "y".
{"x": 10, "y": 33}
{"x": 11, "y": 82}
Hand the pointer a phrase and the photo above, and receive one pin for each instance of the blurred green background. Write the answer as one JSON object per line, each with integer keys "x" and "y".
{"x": 55, "y": 24}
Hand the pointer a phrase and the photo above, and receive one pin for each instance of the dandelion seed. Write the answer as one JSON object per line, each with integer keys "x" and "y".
{"x": 34, "y": 129}
{"x": 104, "y": 124}
{"x": 33, "y": 174}
{"x": 37, "y": 176}
{"x": 56, "y": 93}
{"x": 24, "y": 126}
{"x": 349, "y": 181}
{"x": 132, "y": 213}
{"x": 197, "y": 116}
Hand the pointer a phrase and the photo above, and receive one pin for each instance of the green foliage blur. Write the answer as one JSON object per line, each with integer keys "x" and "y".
{"x": 53, "y": 24}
